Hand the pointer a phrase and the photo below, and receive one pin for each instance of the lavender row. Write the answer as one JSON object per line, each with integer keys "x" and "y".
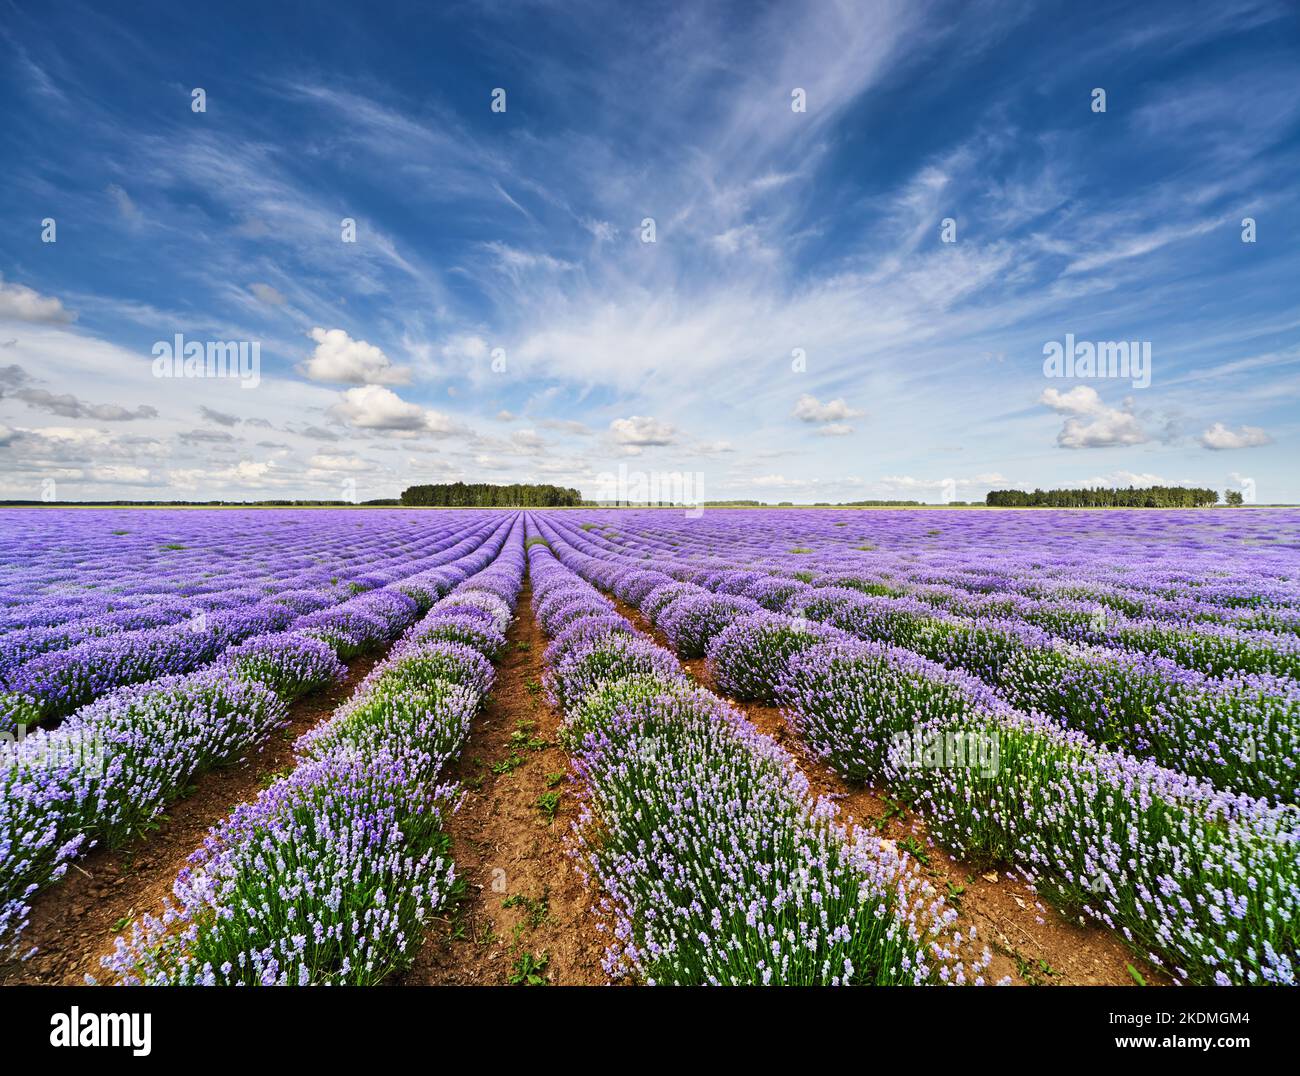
{"x": 54, "y": 684}
{"x": 1225, "y": 641}
{"x": 1204, "y": 882}
{"x": 1218, "y": 560}
{"x": 152, "y": 572}
{"x": 715, "y": 862}
{"x": 1241, "y": 733}
{"x": 331, "y": 874}
{"x": 113, "y": 766}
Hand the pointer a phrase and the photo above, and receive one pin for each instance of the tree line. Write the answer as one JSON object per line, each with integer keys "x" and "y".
{"x": 485, "y": 495}
{"x": 1132, "y": 497}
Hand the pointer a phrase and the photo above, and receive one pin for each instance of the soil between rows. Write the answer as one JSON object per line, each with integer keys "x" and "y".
{"x": 524, "y": 897}
{"x": 76, "y": 921}
{"x": 1032, "y": 943}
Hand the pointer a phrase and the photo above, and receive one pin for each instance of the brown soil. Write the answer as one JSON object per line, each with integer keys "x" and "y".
{"x": 1032, "y": 944}
{"x": 76, "y": 922}
{"x": 505, "y": 848}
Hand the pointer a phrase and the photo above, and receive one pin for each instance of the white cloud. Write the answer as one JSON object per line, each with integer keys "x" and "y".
{"x": 373, "y": 407}
{"x": 1090, "y": 423}
{"x": 353, "y": 362}
{"x": 641, "y": 431}
{"x": 252, "y": 473}
{"x": 810, "y": 409}
{"x": 1219, "y": 437}
{"x": 20, "y": 303}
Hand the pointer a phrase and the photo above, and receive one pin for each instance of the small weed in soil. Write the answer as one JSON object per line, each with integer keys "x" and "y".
{"x": 523, "y": 737}
{"x": 527, "y": 970}
{"x": 548, "y": 803}
{"x": 915, "y": 849}
{"x": 537, "y": 908}
{"x": 511, "y": 762}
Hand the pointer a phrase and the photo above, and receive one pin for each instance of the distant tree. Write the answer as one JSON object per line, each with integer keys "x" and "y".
{"x": 485, "y": 495}
{"x": 1232, "y": 497}
{"x": 1132, "y": 497}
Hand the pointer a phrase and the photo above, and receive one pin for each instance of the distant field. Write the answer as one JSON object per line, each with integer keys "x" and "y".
{"x": 750, "y": 746}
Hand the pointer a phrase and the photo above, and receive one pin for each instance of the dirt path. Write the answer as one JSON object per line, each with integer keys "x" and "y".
{"x": 76, "y": 921}
{"x": 526, "y": 910}
{"x": 1032, "y": 943}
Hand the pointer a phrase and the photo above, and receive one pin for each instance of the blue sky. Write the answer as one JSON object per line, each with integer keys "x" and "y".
{"x": 500, "y": 316}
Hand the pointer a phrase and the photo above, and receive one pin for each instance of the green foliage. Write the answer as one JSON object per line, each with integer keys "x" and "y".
{"x": 485, "y": 495}
{"x": 527, "y": 970}
{"x": 1132, "y": 497}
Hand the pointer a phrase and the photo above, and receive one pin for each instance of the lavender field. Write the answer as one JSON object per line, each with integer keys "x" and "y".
{"x": 729, "y": 746}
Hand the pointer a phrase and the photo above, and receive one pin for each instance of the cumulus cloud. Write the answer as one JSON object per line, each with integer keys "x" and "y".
{"x": 252, "y": 473}
{"x": 20, "y": 303}
{"x": 1219, "y": 437}
{"x": 338, "y": 357}
{"x": 830, "y": 417}
{"x": 373, "y": 407}
{"x": 1090, "y": 423}
{"x": 810, "y": 409}
{"x": 640, "y": 431}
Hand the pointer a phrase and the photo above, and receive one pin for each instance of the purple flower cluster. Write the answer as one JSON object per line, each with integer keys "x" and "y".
{"x": 167, "y": 624}
{"x": 1067, "y": 784}
{"x": 332, "y": 873}
{"x": 289, "y": 663}
{"x": 111, "y": 768}
{"x": 113, "y": 764}
{"x": 716, "y": 863}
